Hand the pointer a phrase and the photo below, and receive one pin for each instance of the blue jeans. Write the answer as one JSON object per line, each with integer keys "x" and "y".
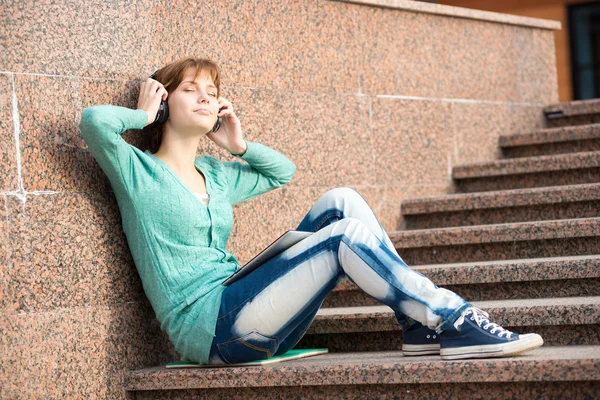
{"x": 268, "y": 311}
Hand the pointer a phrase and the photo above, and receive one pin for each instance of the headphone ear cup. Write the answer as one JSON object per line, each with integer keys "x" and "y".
{"x": 163, "y": 110}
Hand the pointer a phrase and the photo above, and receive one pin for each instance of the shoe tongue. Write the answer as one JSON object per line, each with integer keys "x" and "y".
{"x": 479, "y": 313}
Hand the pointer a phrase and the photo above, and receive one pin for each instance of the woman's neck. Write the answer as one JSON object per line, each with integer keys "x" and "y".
{"x": 179, "y": 154}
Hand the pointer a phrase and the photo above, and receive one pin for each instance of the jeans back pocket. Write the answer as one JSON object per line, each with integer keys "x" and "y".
{"x": 251, "y": 346}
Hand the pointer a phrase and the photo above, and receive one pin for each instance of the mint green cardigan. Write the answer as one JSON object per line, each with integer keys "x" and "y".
{"x": 177, "y": 242}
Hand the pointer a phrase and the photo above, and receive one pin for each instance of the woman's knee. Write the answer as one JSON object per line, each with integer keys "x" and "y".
{"x": 356, "y": 231}
{"x": 351, "y": 225}
{"x": 344, "y": 193}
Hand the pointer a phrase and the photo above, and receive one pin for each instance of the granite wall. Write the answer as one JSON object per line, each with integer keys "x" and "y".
{"x": 381, "y": 99}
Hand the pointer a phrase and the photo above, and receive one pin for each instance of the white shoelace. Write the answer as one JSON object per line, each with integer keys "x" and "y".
{"x": 480, "y": 316}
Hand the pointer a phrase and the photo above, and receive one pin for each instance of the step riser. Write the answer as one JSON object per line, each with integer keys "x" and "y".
{"x": 521, "y": 181}
{"x": 551, "y": 148}
{"x": 557, "y": 335}
{"x": 479, "y": 390}
{"x": 488, "y": 216}
{"x": 572, "y": 121}
{"x": 500, "y": 251}
{"x": 486, "y": 291}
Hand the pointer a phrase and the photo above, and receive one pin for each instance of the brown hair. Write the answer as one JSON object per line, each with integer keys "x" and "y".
{"x": 171, "y": 76}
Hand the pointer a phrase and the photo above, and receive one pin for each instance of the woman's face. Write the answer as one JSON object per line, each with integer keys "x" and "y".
{"x": 193, "y": 106}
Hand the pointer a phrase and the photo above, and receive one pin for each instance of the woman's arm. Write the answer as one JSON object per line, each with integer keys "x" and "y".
{"x": 267, "y": 169}
{"x": 101, "y": 127}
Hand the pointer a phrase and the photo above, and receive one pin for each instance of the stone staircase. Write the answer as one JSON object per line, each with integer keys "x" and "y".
{"x": 520, "y": 239}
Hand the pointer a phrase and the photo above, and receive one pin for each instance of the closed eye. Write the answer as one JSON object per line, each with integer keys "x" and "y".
{"x": 210, "y": 93}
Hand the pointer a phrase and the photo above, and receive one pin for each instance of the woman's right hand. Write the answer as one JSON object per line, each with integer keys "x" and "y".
{"x": 151, "y": 93}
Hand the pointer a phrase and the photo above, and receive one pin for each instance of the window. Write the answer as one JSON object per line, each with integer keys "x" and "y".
{"x": 584, "y": 33}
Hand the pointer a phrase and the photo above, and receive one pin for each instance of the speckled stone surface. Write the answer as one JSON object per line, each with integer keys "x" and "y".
{"x": 86, "y": 241}
{"x": 8, "y": 180}
{"x": 47, "y": 111}
{"x": 554, "y": 335}
{"x": 552, "y": 148}
{"x": 465, "y": 59}
{"x": 501, "y": 199}
{"x": 501, "y": 251}
{"x": 497, "y": 207}
{"x": 498, "y": 242}
{"x": 514, "y": 279}
{"x": 497, "y": 233}
{"x": 486, "y": 291}
{"x": 475, "y": 391}
{"x": 389, "y": 213}
{"x": 476, "y": 127}
{"x": 411, "y": 143}
{"x": 515, "y": 270}
{"x": 542, "y": 364}
{"x": 252, "y": 49}
{"x": 459, "y": 12}
{"x": 51, "y": 154}
{"x": 573, "y": 108}
{"x": 69, "y": 352}
{"x": 541, "y": 212}
{"x": 42, "y": 42}
{"x": 584, "y": 119}
{"x": 402, "y": 55}
{"x": 6, "y": 290}
{"x": 286, "y": 121}
{"x": 520, "y": 312}
{"x": 528, "y": 165}
{"x": 571, "y": 139}
{"x": 529, "y": 180}
{"x": 266, "y": 44}
{"x": 551, "y": 135}
{"x": 533, "y": 289}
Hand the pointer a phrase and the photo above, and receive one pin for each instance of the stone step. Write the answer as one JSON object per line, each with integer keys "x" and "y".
{"x": 560, "y": 321}
{"x": 577, "y": 112}
{"x": 491, "y": 280}
{"x": 557, "y": 372}
{"x": 569, "y": 139}
{"x": 508, "y": 313}
{"x": 518, "y": 205}
{"x": 512, "y": 241}
{"x": 550, "y": 170}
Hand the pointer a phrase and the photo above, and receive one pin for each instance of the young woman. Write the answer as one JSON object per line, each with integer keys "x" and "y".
{"x": 177, "y": 216}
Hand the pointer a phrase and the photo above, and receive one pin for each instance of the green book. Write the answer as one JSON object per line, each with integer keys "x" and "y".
{"x": 293, "y": 354}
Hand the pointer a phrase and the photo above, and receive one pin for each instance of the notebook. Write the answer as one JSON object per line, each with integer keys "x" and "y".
{"x": 283, "y": 242}
{"x": 292, "y": 354}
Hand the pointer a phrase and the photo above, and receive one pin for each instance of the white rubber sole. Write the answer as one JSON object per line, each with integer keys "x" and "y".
{"x": 420, "y": 349}
{"x": 528, "y": 342}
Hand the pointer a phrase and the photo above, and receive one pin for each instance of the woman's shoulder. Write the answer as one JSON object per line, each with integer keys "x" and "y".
{"x": 214, "y": 168}
{"x": 209, "y": 161}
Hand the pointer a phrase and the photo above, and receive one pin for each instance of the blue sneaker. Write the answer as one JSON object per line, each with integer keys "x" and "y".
{"x": 477, "y": 337}
{"x": 419, "y": 340}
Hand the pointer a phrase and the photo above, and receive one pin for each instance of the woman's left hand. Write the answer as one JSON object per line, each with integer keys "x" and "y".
{"x": 229, "y": 136}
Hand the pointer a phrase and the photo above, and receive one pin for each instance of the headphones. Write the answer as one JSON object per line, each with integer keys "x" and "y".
{"x": 163, "y": 112}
